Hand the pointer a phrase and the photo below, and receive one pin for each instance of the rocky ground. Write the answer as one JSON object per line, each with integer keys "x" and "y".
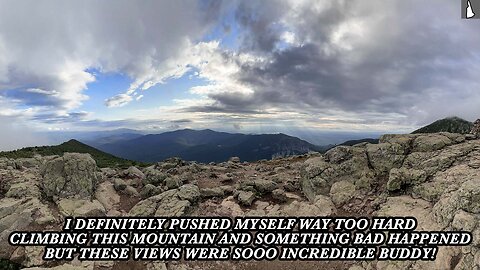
{"x": 433, "y": 177}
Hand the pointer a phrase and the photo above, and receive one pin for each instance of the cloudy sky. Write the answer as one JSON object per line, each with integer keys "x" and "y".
{"x": 246, "y": 66}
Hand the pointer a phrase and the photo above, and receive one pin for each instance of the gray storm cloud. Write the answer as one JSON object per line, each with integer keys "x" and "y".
{"x": 411, "y": 58}
{"x": 359, "y": 62}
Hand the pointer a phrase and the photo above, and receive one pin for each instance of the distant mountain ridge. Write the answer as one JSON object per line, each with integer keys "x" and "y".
{"x": 354, "y": 142}
{"x": 207, "y": 146}
{"x": 449, "y": 124}
{"x": 72, "y": 146}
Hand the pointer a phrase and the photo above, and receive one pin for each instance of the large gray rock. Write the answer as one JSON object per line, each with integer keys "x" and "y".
{"x": 107, "y": 196}
{"x": 81, "y": 208}
{"x": 422, "y": 211}
{"x": 174, "y": 202}
{"x": 338, "y": 154}
{"x": 445, "y": 181}
{"x": 73, "y": 175}
{"x": 341, "y": 192}
{"x": 245, "y": 197}
{"x": 321, "y": 206}
{"x": 189, "y": 192}
{"x": 154, "y": 176}
{"x": 18, "y": 215}
{"x": 23, "y": 190}
{"x": 401, "y": 177}
{"x": 264, "y": 186}
{"x": 29, "y": 162}
{"x": 149, "y": 190}
{"x": 466, "y": 198}
{"x": 385, "y": 156}
{"x": 133, "y": 172}
{"x": 430, "y": 142}
{"x": 173, "y": 182}
{"x": 342, "y": 164}
{"x": 279, "y": 195}
{"x": 131, "y": 191}
{"x": 119, "y": 184}
{"x": 216, "y": 192}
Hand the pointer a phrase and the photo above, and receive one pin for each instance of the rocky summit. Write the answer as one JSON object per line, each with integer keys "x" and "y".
{"x": 432, "y": 177}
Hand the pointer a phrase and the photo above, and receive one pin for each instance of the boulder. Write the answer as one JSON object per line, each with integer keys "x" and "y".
{"x": 154, "y": 176}
{"x": 173, "y": 182}
{"x": 464, "y": 221}
{"x": 149, "y": 190}
{"x": 466, "y": 198}
{"x": 426, "y": 221}
{"x": 119, "y": 184}
{"x": 23, "y": 190}
{"x": 170, "y": 163}
{"x": 28, "y": 162}
{"x": 108, "y": 172}
{"x": 73, "y": 175}
{"x": 245, "y": 197}
{"x": 402, "y": 176}
{"x": 216, "y": 192}
{"x": 81, "y": 208}
{"x": 33, "y": 256}
{"x": 131, "y": 191}
{"x": 430, "y": 142}
{"x": 311, "y": 187}
{"x": 229, "y": 207}
{"x": 133, "y": 172}
{"x": 341, "y": 192}
{"x": 169, "y": 203}
{"x": 321, "y": 206}
{"x": 385, "y": 156}
{"x": 107, "y": 196}
{"x": 279, "y": 195}
{"x": 19, "y": 215}
{"x": 338, "y": 154}
{"x": 227, "y": 190}
{"x": 189, "y": 192}
{"x": 264, "y": 186}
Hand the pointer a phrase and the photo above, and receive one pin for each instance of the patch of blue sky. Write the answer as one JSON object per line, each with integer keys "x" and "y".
{"x": 109, "y": 85}
{"x": 226, "y": 31}
{"x": 165, "y": 94}
{"x": 106, "y": 85}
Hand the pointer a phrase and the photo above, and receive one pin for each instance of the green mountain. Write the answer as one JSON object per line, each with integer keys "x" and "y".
{"x": 73, "y": 146}
{"x": 207, "y": 146}
{"x": 450, "y": 124}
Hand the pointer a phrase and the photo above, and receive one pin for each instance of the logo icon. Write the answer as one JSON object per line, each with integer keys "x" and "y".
{"x": 470, "y": 14}
{"x": 471, "y": 9}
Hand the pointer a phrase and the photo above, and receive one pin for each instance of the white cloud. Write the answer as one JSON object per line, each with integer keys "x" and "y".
{"x": 51, "y": 47}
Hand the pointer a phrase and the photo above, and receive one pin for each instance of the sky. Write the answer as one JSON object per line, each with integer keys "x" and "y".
{"x": 246, "y": 66}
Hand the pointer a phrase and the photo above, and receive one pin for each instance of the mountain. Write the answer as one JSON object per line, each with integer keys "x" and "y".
{"x": 90, "y": 137}
{"x": 353, "y": 142}
{"x": 72, "y": 146}
{"x": 450, "y": 124}
{"x": 207, "y": 146}
{"x": 114, "y": 138}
